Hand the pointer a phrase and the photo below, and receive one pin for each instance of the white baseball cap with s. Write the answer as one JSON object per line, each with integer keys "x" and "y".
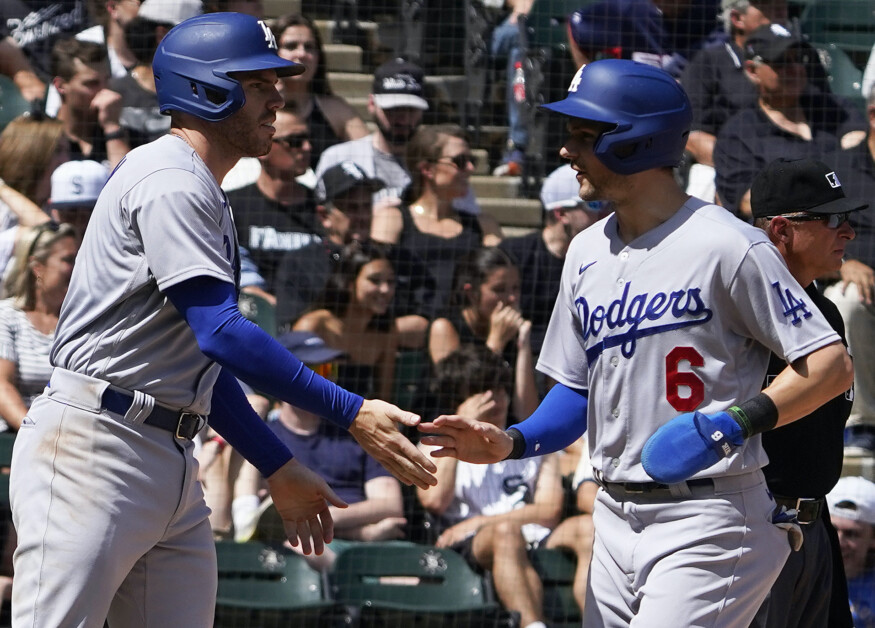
{"x": 77, "y": 183}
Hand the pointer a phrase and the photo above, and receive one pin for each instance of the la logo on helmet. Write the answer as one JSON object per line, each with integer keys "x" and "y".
{"x": 268, "y": 35}
{"x": 575, "y": 82}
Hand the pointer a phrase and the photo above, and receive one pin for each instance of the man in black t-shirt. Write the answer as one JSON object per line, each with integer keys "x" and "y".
{"x": 791, "y": 119}
{"x": 800, "y": 204}
{"x": 345, "y": 209}
{"x": 277, "y": 214}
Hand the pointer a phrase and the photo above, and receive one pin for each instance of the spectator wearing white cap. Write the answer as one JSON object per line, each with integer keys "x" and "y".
{"x": 539, "y": 255}
{"x": 397, "y": 103}
{"x": 852, "y": 508}
{"x": 75, "y": 188}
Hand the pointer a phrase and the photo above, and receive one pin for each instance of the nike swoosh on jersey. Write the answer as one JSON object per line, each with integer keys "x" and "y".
{"x": 583, "y": 267}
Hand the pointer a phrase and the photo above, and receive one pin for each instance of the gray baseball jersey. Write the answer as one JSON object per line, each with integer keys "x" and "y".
{"x": 681, "y": 319}
{"x": 115, "y": 324}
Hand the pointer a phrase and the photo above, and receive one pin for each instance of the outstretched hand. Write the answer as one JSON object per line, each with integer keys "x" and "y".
{"x": 302, "y": 499}
{"x": 466, "y": 439}
{"x": 375, "y": 430}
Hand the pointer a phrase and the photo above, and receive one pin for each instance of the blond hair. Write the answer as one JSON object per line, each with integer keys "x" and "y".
{"x": 35, "y": 247}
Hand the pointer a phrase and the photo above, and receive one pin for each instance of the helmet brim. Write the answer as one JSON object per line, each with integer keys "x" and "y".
{"x": 575, "y": 108}
{"x": 282, "y": 67}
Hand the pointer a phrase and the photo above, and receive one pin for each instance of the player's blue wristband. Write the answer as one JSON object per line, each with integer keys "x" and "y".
{"x": 209, "y": 306}
{"x": 557, "y": 422}
{"x": 236, "y": 421}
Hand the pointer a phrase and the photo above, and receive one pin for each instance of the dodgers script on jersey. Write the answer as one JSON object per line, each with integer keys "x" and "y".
{"x": 114, "y": 310}
{"x": 681, "y": 319}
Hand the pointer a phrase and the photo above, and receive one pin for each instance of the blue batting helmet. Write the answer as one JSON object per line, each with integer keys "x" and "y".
{"x": 195, "y": 60}
{"x": 650, "y": 113}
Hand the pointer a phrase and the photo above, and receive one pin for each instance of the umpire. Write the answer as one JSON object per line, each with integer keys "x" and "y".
{"x": 801, "y": 206}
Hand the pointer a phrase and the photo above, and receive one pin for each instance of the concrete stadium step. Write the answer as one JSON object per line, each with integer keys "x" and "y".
{"x": 513, "y": 212}
{"x": 360, "y": 104}
{"x": 343, "y": 58}
{"x": 488, "y": 186}
{"x": 275, "y": 8}
{"x": 327, "y": 28}
{"x": 862, "y": 466}
{"x": 350, "y": 84}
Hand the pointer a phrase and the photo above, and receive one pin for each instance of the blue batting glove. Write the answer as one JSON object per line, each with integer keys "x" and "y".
{"x": 689, "y": 443}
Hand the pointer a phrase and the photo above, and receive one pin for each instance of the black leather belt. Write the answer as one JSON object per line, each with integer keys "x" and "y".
{"x": 181, "y": 424}
{"x": 653, "y": 488}
{"x": 807, "y": 509}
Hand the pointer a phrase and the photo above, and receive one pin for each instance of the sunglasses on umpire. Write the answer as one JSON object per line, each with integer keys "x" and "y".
{"x": 832, "y": 221}
{"x": 293, "y": 140}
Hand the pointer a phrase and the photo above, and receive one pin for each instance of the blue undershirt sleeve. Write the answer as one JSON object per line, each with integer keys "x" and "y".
{"x": 557, "y": 422}
{"x": 209, "y": 306}
{"x": 233, "y": 418}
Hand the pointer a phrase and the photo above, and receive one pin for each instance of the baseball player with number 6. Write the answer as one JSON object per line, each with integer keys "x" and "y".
{"x": 659, "y": 342}
{"x": 111, "y": 520}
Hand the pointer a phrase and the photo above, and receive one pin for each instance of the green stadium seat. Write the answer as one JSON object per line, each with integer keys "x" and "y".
{"x": 258, "y": 310}
{"x": 264, "y": 585}
{"x": 410, "y": 369}
{"x": 7, "y": 441}
{"x": 415, "y": 585}
{"x": 556, "y": 569}
{"x": 12, "y": 103}
{"x": 845, "y": 78}
{"x": 849, "y": 24}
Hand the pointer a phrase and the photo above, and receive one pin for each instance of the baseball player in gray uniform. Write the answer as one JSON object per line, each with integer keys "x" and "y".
{"x": 110, "y": 517}
{"x": 659, "y": 341}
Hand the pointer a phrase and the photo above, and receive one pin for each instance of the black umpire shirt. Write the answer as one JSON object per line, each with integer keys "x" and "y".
{"x": 806, "y": 456}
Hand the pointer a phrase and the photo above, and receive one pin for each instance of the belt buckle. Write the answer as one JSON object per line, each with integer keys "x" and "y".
{"x": 199, "y": 423}
{"x": 803, "y": 501}
{"x": 634, "y": 487}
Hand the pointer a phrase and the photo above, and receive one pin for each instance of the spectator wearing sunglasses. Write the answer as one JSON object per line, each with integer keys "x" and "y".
{"x": 375, "y": 511}
{"x": 802, "y": 207}
{"x": 397, "y": 104}
{"x": 277, "y": 213}
{"x": 33, "y": 291}
{"x": 440, "y": 163}
{"x": 790, "y": 120}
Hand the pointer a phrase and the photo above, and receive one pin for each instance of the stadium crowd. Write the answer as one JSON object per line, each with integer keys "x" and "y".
{"x": 367, "y": 252}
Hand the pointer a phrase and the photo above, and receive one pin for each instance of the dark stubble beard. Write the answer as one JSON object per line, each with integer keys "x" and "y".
{"x": 394, "y": 137}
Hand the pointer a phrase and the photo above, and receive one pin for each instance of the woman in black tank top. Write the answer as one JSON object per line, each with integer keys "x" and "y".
{"x": 330, "y": 118}
{"x": 440, "y": 164}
